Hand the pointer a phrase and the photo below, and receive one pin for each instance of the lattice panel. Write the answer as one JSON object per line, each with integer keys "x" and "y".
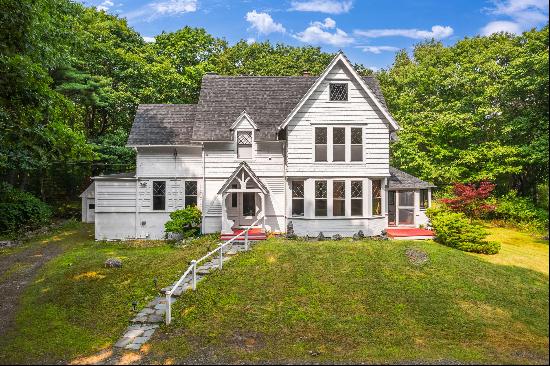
{"x": 357, "y": 189}
{"x": 159, "y": 188}
{"x": 356, "y": 136}
{"x": 244, "y": 138}
{"x": 321, "y": 135}
{"x": 190, "y": 188}
{"x": 339, "y": 190}
{"x": 339, "y": 136}
{"x": 321, "y": 189}
{"x": 298, "y": 189}
{"x": 338, "y": 92}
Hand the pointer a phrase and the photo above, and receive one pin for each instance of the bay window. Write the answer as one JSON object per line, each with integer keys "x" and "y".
{"x": 356, "y": 198}
{"x": 321, "y": 198}
{"x": 376, "y": 197}
{"x": 338, "y": 198}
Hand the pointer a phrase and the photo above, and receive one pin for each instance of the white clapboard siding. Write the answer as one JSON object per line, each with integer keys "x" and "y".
{"x": 359, "y": 111}
{"x": 115, "y": 196}
{"x": 162, "y": 162}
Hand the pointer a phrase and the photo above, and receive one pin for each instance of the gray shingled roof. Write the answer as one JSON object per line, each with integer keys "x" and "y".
{"x": 163, "y": 124}
{"x": 267, "y": 99}
{"x": 401, "y": 180}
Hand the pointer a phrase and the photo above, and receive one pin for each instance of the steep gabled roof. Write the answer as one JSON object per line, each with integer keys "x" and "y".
{"x": 401, "y": 180}
{"x": 162, "y": 124}
{"x": 342, "y": 59}
{"x": 243, "y": 166}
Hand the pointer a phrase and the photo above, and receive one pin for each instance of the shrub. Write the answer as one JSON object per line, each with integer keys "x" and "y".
{"x": 520, "y": 210}
{"x": 21, "y": 210}
{"x": 471, "y": 199}
{"x": 185, "y": 222}
{"x": 455, "y": 230}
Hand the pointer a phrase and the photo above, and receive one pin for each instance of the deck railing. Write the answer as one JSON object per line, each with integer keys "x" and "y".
{"x": 192, "y": 269}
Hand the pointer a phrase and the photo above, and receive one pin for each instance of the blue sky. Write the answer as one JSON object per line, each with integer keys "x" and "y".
{"x": 368, "y": 31}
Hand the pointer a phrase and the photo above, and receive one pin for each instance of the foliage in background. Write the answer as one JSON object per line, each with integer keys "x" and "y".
{"x": 21, "y": 211}
{"x": 455, "y": 230}
{"x": 477, "y": 109}
{"x": 471, "y": 199}
{"x": 185, "y": 222}
{"x": 520, "y": 211}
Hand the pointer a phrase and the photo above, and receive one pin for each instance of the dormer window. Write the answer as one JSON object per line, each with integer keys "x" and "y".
{"x": 338, "y": 92}
{"x": 244, "y": 144}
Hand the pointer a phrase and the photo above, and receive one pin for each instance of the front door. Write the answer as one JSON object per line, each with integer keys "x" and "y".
{"x": 248, "y": 206}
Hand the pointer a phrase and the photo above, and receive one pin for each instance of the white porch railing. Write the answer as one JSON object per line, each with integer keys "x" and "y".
{"x": 193, "y": 267}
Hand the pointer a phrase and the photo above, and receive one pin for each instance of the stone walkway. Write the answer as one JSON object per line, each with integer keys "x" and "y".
{"x": 144, "y": 324}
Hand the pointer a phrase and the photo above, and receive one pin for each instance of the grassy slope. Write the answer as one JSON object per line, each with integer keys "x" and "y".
{"x": 324, "y": 302}
{"x": 76, "y": 306}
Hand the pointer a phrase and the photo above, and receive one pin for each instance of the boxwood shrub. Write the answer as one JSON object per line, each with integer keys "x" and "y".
{"x": 455, "y": 230}
{"x": 21, "y": 210}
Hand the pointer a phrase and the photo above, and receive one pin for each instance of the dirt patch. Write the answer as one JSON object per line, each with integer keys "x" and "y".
{"x": 21, "y": 268}
{"x": 416, "y": 257}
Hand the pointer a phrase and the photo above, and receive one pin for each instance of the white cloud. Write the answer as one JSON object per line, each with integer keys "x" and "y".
{"x": 378, "y": 49}
{"x": 501, "y": 26}
{"x": 159, "y": 9}
{"x": 322, "y": 6}
{"x": 521, "y": 15}
{"x": 437, "y": 32}
{"x": 264, "y": 23}
{"x": 106, "y": 5}
{"x": 251, "y": 40}
{"x": 318, "y": 33}
{"x": 149, "y": 39}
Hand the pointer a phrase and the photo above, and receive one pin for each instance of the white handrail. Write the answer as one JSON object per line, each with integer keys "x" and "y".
{"x": 193, "y": 268}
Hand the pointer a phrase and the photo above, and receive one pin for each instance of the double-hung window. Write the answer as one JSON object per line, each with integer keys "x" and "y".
{"x": 298, "y": 198}
{"x": 320, "y": 144}
{"x": 338, "y": 144}
{"x": 356, "y": 198}
{"x": 356, "y": 149}
{"x": 244, "y": 144}
{"x": 321, "y": 198}
{"x": 377, "y": 197}
{"x": 424, "y": 199}
{"x": 338, "y": 198}
{"x": 159, "y": 195}
{"x": 190, "y": 193}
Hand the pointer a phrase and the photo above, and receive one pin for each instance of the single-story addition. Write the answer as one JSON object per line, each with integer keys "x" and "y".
{"x": 311, "y": 150}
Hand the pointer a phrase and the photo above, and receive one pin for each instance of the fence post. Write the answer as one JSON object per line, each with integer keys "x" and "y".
{"x": 168, "y": 308}
{"x": 221, "y": 255}
{"x": 246, "y": 240}
{"x": 194, "y": 281}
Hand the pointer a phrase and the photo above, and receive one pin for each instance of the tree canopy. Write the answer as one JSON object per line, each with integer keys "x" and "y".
{"x": 71, "y": 78}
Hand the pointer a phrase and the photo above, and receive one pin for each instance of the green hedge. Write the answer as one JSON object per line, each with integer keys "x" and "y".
{"x": 520, "y": 210}
{"x": 455, "y": 230}
{"x": 21, "y": 210}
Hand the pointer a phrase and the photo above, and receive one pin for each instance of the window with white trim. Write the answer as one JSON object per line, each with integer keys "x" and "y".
{"x": 424, "y": 202}
{"x": 377, "y": 197}
{"x": 191, "y": 188}
{"x": 338, "y": 92}
{"x": 244, "y": 144}
{"x": 320, "y": 144}
{"x": 339, "y": 144}
{"x": 338, "y": 198}
{"x": 356, "y": 148}
{"x": 298, "y": 198}
{"x": 356, "y": 198}
{"x": 321, "y": 198}
{"x": 159, "y": 195}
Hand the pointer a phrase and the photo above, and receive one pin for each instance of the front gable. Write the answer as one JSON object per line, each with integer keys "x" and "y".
{"x": 340, "y": 70}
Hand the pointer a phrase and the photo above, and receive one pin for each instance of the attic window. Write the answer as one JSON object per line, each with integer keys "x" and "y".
{"x": 244, "y": 144}
{"x": 338, "y": 92}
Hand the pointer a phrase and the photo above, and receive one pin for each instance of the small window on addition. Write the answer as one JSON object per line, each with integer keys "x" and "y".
{"x": 91, "y": 206}
{"x": 159, "y": 195}
{"x": 244, "y": 144}
{"x": 338, "y": 92}
{"x": 190, "y": 193}
{"x": 298, "y": 198}
{"x": 424, "y": 199}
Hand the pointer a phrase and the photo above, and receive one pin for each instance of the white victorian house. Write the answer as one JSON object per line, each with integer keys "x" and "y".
{"x": 311, "y": 150}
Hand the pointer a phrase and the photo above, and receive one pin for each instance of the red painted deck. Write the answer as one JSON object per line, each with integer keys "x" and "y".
{"x": 409, "y": 233}
{"x": 253, "y": 234}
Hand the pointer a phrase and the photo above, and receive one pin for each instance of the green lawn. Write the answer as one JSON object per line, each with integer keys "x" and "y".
{"x": 77, "y": 306}
{"x": 292, "y": 301}
{"x": 362, "y": 302}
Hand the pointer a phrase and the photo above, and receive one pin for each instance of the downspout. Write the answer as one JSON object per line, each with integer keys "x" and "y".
{"x": 137, "y": 201}
{"x": 203, "y": 187}
{"x": 286, "y": 183}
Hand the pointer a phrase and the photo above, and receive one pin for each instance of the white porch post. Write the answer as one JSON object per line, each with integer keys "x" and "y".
{"x": 262, "y": 200}
{"x": 226, "y": 227}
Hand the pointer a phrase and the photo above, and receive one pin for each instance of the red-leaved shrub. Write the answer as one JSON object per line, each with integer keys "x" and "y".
{"x": 471, "y": 199}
